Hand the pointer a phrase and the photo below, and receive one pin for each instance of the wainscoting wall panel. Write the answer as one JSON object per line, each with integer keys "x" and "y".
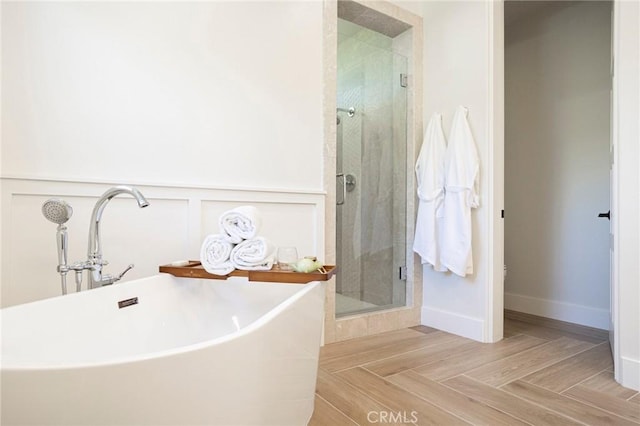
{"x": 171, "y": 228}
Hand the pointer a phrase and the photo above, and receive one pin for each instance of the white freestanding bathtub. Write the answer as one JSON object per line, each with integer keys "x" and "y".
{"x": 164, "y": 351}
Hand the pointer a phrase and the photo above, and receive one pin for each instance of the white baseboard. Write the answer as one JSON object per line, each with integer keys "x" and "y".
{"x": 630, "y": 373}
{"x": 577, "y": 314}
{"x": 452, "y": 322}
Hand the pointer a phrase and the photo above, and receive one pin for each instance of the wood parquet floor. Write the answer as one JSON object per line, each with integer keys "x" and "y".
{"x": 535, "y": 376}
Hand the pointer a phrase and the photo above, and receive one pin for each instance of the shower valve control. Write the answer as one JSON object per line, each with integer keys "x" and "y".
{"x": 350, "y": 182}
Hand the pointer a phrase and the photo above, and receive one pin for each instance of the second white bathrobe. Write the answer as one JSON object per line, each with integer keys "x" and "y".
{"x": 461, "y": 174}
{"x": 430, "y": 178}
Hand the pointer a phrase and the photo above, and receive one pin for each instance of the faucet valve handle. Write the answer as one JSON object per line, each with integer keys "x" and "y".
{"x": 125, "y": 271}
{"x": 108, "y": 279}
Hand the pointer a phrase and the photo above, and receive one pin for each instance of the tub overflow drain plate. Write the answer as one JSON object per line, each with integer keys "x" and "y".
{"x": 127, "y": 302}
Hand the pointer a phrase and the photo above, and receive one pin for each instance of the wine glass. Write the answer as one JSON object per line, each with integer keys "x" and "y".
{"x": 286, "y": 257}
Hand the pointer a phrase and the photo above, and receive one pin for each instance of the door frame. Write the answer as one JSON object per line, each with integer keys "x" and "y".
{"x": 625, "y": 209}
{"x": 625, "y": 135}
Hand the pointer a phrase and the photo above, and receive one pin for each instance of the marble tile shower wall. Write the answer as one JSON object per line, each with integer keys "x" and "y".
{"x": 372, "y": 216}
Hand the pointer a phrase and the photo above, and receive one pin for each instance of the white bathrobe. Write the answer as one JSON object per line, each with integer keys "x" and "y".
{"x": 430, "y": 177}
{"x": 461, "y": 174}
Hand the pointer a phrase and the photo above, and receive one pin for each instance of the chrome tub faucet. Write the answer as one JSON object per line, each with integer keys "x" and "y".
{"x": 95, "y": 262}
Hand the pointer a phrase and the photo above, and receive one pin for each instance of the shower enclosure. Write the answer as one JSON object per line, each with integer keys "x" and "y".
{"x": 371, "y": 169}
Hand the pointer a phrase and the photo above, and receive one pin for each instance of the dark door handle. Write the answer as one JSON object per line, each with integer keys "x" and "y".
{"x": 607, "y": 215}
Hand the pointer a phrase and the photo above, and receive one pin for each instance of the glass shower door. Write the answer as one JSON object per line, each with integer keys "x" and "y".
{"x": 371, "y": 172}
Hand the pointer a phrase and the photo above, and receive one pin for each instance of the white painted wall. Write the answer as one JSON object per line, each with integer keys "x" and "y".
{"x": 557, "y": 85}
{"x": 204, "y": 106}
{"x": 203, "y": 93}
{"x": 459, "y": 69}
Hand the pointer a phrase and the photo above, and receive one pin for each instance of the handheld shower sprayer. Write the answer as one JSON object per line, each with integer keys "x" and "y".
{"x": 59, "y": 211}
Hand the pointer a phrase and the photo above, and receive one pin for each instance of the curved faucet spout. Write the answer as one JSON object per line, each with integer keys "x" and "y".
{"x": 95, "y": 246}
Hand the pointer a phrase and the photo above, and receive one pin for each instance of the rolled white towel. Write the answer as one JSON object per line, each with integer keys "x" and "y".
{"x": 255, "y": 254}
{"x": 241, "y": 223}
{"x": 215, "y": 254}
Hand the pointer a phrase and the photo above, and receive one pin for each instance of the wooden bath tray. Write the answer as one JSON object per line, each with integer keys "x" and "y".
{"x": 194, "y": 269}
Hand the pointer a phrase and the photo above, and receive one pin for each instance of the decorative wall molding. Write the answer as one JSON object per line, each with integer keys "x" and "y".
{"x": 142, "y": 182}
{"x": 171, "y": 228}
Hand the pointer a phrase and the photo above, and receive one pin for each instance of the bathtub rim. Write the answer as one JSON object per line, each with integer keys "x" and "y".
{"x": 255, "y": 325}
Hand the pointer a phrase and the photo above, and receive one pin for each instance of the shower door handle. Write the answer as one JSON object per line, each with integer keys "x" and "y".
{"x": 340, "y": 202}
